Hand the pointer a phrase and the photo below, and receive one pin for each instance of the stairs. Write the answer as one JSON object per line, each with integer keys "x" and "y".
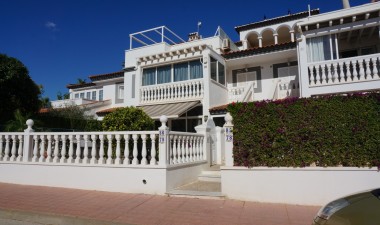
{"x": 208, "y": 185}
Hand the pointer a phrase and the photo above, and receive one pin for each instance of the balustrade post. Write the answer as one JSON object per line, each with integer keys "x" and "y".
{"x": 126, "y": 149}
{"x": 229, "y": 137}
{"x": 135, "y": 151}
{"x": 144, "y": 161}
{"x": 153, "y": 160}
{"x": 93, "y": 149}
{"x": 109, "y": 150}
{"x": 63, "y": 151}
{"x": 28, "y": 141}
{"x": 20, "y": 147}
{"x": 375, "y": 70}
{"x": 367, "y": 69}
{"x": 85, "y": 151}
{"x": 56, "y": 149}
{"x": 164, "y": 140}
{"x": 118, "y": 150}
{"x": 78, "y": 151}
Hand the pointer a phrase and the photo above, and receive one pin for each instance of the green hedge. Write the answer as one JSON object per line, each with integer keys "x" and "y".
{"x": 299, "y": 132}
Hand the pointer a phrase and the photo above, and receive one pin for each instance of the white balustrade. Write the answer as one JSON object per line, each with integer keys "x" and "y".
{"x": 119, "y": 148}
{"x": 184, "y": 90}
{"x": 342, "y": 71}
{"x": 237, "y": 92}
{"x": 185, "y": 147}
{"x": 11, "y": 146}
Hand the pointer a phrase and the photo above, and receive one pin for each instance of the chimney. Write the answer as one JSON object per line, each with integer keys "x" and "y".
{"x": 194, "y": 36}
{"x": 346, "y": 4}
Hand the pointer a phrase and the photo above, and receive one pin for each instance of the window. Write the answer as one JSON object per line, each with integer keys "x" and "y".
{"x": 77, "y": 95}
{"x": 214, "y": 69}
{"x": 221, "y": 78}
{"x": 120, "y": 92}
{"x": 196, "y": 69}
{"x": 321, "y": 48}
{"x": 100, "y": 95}
{"x": 88, "y": 95}
{"x": 93, "y": 95}
{"x": 82, "y": 95}
{"x": 172, "y": 73}
{"x": 164, "y": 74}
{"x": 181, "y": 71}
{"x": 217, "y": 71}
{"x": 149, "y": 76}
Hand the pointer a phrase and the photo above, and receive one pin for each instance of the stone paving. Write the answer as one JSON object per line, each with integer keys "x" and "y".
{"x": 97, "y": 207}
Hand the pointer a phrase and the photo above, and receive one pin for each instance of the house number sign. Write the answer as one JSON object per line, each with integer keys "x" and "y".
{"x": 229, "y": 134}
{"x": 162, "y": 136}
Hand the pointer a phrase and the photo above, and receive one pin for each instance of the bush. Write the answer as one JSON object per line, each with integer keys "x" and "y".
{"x": 68, "y": 119}
{"x": 325, "y": 131}
{"x": 128, "y": 118}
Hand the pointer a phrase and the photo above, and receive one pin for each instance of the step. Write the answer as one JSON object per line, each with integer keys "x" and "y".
{"x": 196, "y": 194}
{"x": 210, "y": 176}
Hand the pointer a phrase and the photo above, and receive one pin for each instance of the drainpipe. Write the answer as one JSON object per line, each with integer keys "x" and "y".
{"x": 346, "y": 4}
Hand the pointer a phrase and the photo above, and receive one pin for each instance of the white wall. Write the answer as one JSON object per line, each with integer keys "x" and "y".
{"x": 128, "y": 179}
{"x": 117, "y": 179}
{"x": 218, "y": 94}
{"x": 305, "y": 186}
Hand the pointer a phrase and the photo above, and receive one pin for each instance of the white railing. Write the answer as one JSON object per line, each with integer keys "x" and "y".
{"x": 184, "y": 90}
{"x": 241, "y": 93}
{"x": 186, "y": 147}
{"x": 11, "y": 146}
{"x": 341, "y": 71}
{"x": 121, "y": 148}
{"x": 287, "y": 89}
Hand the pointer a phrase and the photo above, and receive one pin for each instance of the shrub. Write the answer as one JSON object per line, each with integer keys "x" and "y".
{"x": 128, "y": 118}
{"x": 326, "y": 131}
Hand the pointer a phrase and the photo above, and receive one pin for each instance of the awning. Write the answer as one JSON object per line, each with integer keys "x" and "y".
{"x": 171, "y": 110}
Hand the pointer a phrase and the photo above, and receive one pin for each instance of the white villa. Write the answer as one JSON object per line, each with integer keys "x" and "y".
{"x": 296, "y": 55}
{"x": 186, "y": 85}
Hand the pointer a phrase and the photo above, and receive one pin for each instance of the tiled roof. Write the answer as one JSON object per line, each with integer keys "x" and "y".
{"x": 222, "y": 109}
{"x": 107, "y": 76}
{"x": 76, "y": 86}
{"x": 258, "y": 50}
{"x": 276, "y": 20}
{"x": 106, "y": 111}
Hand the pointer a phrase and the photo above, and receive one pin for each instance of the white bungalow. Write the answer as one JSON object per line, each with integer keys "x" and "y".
{"x": 296, "y": 55}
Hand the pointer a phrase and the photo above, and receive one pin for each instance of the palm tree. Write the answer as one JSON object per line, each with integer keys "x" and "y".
{"x": 18, "y": 123}
{"x": 81, "y": 81}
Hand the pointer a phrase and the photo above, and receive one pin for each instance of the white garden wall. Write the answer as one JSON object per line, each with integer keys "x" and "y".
{"x": 305, "y": 186}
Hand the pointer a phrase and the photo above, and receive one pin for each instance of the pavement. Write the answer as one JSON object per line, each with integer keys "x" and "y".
{"x": 36, "y": 205}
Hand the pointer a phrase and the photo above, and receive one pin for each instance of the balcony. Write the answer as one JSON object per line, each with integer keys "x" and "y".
{"x": 172, "y": 92}
{"x": 239, "y": 92}
{"x": 344, "y": 71}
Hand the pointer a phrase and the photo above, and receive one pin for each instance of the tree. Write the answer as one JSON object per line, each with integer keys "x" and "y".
{"x": 18, "y": 124}
{"x": 81, "y": 81}
{"x": 17, "y": 89}
{"x": 128, "y": 118}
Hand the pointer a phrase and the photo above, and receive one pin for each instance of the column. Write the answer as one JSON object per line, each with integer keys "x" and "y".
{"x": 260, "y": 41}
{"x": 228, "y": 138}
{"x": 275, "y": 39}
{"x": 28, "y": 141}
{"x": 164, "y": 142}
{"x": 292, "y": 35}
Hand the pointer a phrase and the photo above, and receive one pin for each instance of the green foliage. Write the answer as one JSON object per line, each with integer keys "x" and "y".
{"x": 128, "y": 118}
{"x": 18, "y": 124}
{"x": 325, "y": 131}
{"x": 17, "y": 89}
{"x": 69, "y": 118}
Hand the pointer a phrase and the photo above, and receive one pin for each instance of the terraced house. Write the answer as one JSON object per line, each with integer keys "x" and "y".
{"x": 296, "y": 55}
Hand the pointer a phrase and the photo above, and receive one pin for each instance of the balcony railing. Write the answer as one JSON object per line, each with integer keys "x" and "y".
{"x": 184, "y": 90}
{"x": 342, "y": 71}
{"x": 241, "y": 93}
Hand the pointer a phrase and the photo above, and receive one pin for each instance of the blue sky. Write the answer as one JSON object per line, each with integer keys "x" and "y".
{"x": 60, "y": 41}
